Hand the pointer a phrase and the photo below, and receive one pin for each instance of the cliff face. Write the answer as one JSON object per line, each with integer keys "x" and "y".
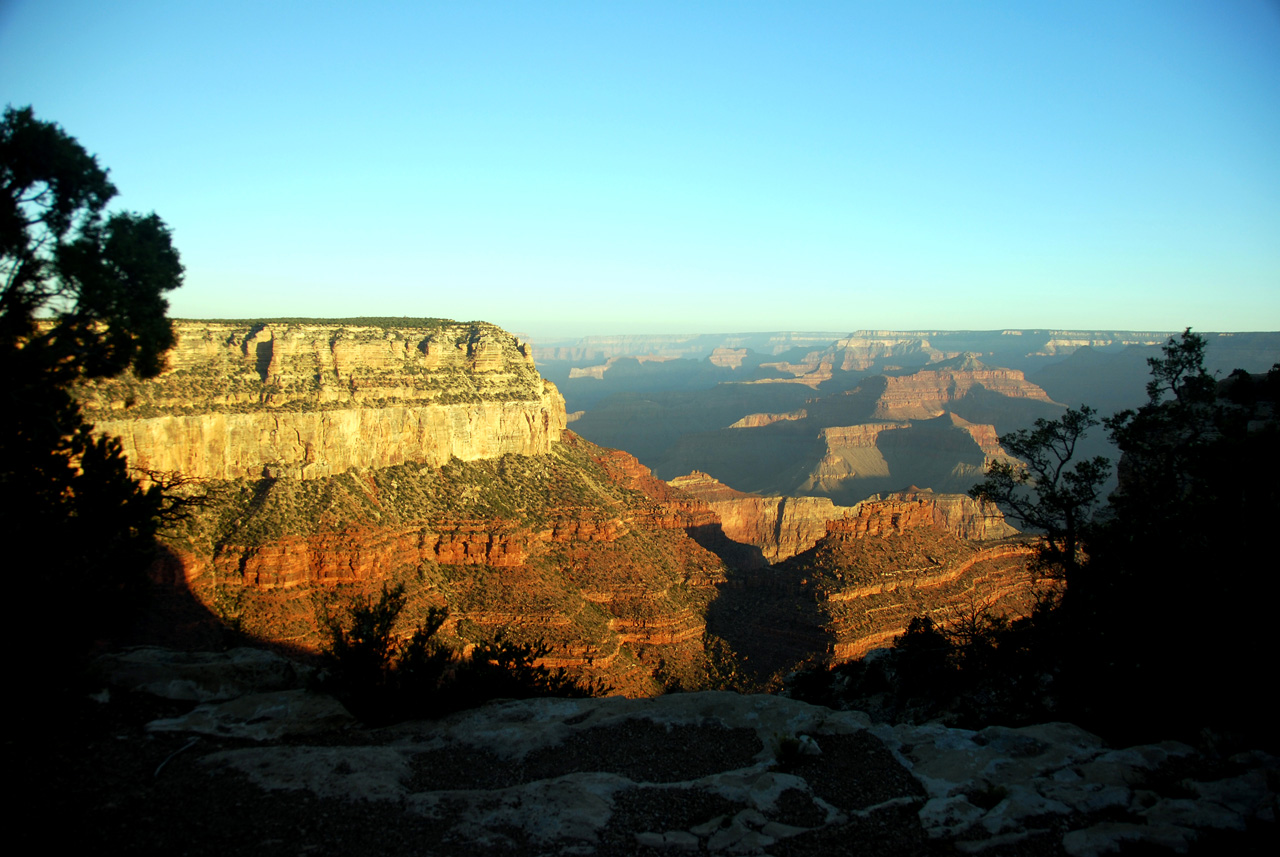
{"x": 936, "y": 427}
{"x": 931, "y": 392}
{"x": 887, "y": 561}
{"x": 863, "y": 351}
{"x": 782, "y": 527}
{"x": 581, "y": 548}
{"x": 308, "y": 400}
{"x": 343, "y": 458}
{"x": 339, "y": 458}
{"x": 957, "y": 514}
{"x": 779, "y": 526}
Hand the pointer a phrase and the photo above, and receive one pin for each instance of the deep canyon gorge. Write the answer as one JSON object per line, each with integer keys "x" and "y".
{"x": 339, "y": 458}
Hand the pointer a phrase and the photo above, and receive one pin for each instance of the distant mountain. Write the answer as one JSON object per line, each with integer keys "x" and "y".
{"x": 591, "y": 369}
{"x": 933, "y": 426}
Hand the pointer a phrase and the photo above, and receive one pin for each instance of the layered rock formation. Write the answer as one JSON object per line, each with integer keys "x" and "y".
{"x": 598, "y": 370}
{"x": 309, "y": 400}
{"x": 782, "y": 527}
{"x": 957, "y": 514}
{"x": 858, "y": 353}
{"x": 565, "y": 547}
{"x": 934, "y": 391}
{"x": 878, "y": 565}
{"x": 759, "y": 420}
{"x": 339, "y": 458}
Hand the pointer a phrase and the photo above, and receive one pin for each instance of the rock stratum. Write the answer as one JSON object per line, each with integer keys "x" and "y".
{"x": 878, "y": 565}
{"x": 309, "y": 400}
{"x": 556, "y": 547}
{"x": 338, "y": 458}
{"x": 782, "y": 526}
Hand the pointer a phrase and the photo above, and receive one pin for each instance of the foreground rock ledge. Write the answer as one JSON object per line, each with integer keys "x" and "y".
{"x": 710, "y": 772}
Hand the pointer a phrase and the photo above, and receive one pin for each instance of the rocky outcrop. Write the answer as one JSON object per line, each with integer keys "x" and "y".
{"x": 758, "y": 420}
{"x": 309, "y": 400}
{"x": 868, "y": 349}
{"x": 931, "y": 392}
{"x": 314, "y": 444}
{"x": 948, "y": 454}
{"x": 342, "y": 457}
{"x": 958, "y": 514}
{"x": 780, "y": 526}
{"x": 728, "y": 358}
{"x": 712, "y": 772}
{"x": 598, "y": 371}
{"x": 882, "y": 563}
{"x": 810, "y": 372}
{"x": 936, "y": 427}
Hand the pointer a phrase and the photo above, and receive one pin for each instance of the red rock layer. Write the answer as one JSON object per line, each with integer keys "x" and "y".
{"x": 958, "y": 514}
{"x": 930, "y": 392}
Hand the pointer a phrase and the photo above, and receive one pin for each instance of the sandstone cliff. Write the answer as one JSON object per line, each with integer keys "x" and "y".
{"x": 931, "y": 392}
{"x": 581, "y": 547}
{"x": 342, "y": 457}
{"x": 957, "y": 514}
{"x": 785, "y": 526}
{"x": 779, "y": 526}
{"x": 309, "y": 400}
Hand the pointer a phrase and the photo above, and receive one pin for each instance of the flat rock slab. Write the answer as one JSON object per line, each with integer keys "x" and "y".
{"x": 709, "y": 772}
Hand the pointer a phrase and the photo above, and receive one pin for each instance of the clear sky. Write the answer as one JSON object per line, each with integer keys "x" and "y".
{"x": 612, "y": 167}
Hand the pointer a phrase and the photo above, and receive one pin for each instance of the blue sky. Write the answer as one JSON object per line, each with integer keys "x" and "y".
{"x": 573, "y": 168}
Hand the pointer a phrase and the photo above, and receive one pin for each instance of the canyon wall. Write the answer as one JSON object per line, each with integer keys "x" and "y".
{"x": 782, "y": 527}
{"x": 343, "y": 457}
{"x": 887, "y": 561}
{"x": 309, "y": 400}
{"x": 931, "y": 392}
{"x": 580, "y": 548}
{"x": 957, "y": 514}
{"x": 339, "y": 458}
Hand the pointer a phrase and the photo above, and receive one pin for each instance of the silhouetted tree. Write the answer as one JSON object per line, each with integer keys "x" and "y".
{"x": 81, "y": 297}
{"x": 1184, "y": 584}
{"x": 1045, "y": 489}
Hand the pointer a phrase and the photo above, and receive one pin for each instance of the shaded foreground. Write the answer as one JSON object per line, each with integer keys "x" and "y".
{"x": 267, "y": 766}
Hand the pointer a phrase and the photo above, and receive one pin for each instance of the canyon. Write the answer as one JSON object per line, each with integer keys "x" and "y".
{"x": 934, "y": 427}
{"x": 327, "y": 460}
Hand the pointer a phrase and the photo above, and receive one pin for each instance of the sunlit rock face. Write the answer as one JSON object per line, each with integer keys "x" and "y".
{"x": 782, "y": 527}
{"x": 308, "y": 400}
{"x": 931, "y": 392}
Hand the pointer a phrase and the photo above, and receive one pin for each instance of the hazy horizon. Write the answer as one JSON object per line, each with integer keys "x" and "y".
{"x": 571, "y": 169}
